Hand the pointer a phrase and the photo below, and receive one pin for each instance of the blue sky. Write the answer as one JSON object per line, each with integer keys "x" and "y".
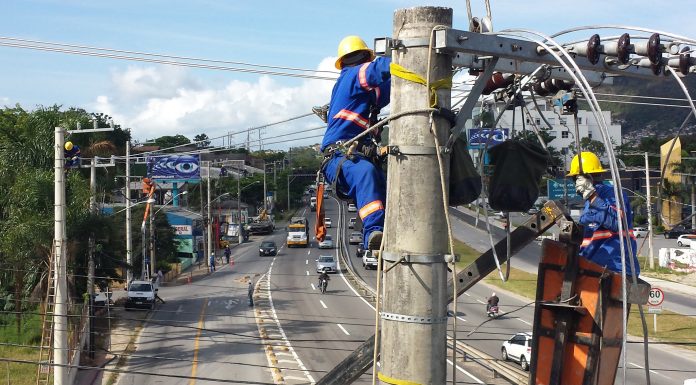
{"x": 159, "y": 100}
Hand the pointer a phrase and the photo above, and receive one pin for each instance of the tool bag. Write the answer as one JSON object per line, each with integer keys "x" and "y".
{"x": 465, "y": 183}
{"x": 519, "y": 166}
{"x": 319, "y": 226}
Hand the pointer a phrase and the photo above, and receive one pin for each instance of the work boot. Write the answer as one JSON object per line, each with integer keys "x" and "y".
{"x": 375, "y": 240}
{"x": 322, "y": 112}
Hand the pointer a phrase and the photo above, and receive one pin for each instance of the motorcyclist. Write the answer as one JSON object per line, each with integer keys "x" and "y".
{"x": 492, "y": 301}
{"x": 324, "y": 276}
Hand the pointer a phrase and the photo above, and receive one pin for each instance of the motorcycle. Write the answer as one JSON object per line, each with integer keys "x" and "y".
{"x": 323, "y": 283}
{"x": 493, "y": 311}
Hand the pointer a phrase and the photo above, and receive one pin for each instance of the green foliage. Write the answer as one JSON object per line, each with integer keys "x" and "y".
{"x": 203, "y": 140}
{"x": 171, "y": 141}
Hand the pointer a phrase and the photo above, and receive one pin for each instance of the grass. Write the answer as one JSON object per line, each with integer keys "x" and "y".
{"x": 671, "y": 327}
{"x": 30, "y": 334}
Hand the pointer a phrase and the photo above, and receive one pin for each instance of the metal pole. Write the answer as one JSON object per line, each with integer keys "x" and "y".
{"x": 205, "y": 244}
{"x": 60, "y": 319}
{"x": 275, "y": 188}
{"x": 129, "y": 237}
{"x": 152, "y": 241}
{"x": 264, "y": 186}
{"x": 693, "y": 200}
{"x": 210, "y": 225}
{"x": 414, "y": 352}
{"x": 288, "y": 192}
{"x": 240, "y": 238}
{"x": 651, "y": 258}
{"x": 90, "y": 263}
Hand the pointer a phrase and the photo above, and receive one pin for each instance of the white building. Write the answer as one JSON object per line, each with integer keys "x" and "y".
{"x": 563, "y": 126}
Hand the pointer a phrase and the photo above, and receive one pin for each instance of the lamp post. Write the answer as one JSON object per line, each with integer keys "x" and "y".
{"x": 153, "y": 263}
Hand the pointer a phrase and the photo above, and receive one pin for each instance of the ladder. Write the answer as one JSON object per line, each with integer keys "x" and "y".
{"x": 45, "y": 367}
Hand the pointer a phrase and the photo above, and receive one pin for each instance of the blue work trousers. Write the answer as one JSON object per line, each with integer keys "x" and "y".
{"x": 365, "y": 184}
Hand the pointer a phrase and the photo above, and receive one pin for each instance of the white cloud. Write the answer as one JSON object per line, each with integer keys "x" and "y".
{"x": 156, "y": 101}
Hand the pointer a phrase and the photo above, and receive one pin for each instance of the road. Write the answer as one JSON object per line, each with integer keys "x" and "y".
{"x": 207, "y": 331}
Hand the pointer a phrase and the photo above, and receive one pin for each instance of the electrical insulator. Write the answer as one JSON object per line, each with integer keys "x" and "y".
{"x": 552, "y": 86}
{"x": 684, "y": 60}
{"x": 651, "y": 48}
{"x": 497, "y": 81}
{"x": 591, "y": 49}
{"x": 619, "y": 49}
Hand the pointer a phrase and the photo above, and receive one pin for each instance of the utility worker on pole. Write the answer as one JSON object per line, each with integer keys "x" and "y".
{"x": 72, "y": 155}
{"x": 600, "y": 217}
{"x": 360, "y": 92}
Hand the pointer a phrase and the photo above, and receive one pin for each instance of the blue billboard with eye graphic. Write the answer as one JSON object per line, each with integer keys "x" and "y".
{"x": 174, "y": 167}
{"x": 478, "y": 137}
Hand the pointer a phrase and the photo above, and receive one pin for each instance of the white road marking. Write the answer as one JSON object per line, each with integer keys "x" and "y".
{"x": 344, "y": 329}
{"x": 313, "y": 288}
{"x": 307, "y": 272}
{"x": 642, "y": 367}
{"x": 481, "y": 302}
{"x": 523, "y": 321}
{"x": 461, "y": 319}
{"x": 467, "y": 373}
{"x": 180, "y": 309}
{"x": 467, "y": 294}
{"x": 309, "y": 251}
{"x": 323, "y": 304}
{"x": 306, "y": 262}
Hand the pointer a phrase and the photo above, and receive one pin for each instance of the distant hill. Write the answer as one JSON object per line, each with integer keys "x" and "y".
{"x": 653, "y": 119}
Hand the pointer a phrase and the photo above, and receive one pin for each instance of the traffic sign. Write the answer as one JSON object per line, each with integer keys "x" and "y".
{"x": 656, "y": 297}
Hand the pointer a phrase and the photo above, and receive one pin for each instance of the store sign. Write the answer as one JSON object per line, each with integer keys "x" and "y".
{"x": 183, "y": 229}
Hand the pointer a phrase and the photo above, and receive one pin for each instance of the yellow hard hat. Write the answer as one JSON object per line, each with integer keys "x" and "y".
{"x": 68, "y": 146}
{"x": 590, "y": 164}
{"x": 351, "y": 44}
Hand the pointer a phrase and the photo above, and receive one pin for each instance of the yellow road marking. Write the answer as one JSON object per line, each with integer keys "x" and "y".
{"x": 194, "y": 367}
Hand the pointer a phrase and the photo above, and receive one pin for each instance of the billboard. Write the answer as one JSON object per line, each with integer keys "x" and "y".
{"x": 174, "y": 167}
{"x": 478, "y": 137}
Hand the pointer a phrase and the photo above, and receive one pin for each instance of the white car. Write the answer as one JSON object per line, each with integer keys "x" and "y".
{"x": 640, "y": 232}
{"x": 327, "y": 222}
{"x": 685, "y": 240}
{"x": 352, "y": 208}
{"x": 369, "y": 260}
{"x": 518, "y": 348}
{"x": 327, "y": 243}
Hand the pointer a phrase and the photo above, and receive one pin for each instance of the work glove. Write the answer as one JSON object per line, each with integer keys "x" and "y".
{"x": 584, "y": 187}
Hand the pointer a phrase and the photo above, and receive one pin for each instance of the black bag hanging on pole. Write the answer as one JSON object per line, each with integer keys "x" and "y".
{"x": 519, "y": 166}
{"x": 465, "y": 182}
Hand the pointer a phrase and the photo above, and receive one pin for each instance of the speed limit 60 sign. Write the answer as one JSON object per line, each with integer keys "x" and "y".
{"x": 656, "y": 297}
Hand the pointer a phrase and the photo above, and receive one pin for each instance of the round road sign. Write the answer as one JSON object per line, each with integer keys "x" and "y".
{"x": 656, "y": 297}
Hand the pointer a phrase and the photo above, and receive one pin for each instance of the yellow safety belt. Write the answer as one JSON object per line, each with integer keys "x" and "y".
{"x": 403, "y": 73}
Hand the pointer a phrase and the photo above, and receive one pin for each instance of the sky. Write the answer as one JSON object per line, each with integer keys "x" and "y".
{"x": 155, "y": 99}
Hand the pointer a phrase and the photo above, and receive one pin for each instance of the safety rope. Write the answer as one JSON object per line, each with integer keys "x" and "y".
{"x": 403, "y": 73}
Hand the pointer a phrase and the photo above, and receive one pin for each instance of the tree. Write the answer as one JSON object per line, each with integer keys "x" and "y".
{"x": 171, "y": 141}
{"x": 202, "y": 141}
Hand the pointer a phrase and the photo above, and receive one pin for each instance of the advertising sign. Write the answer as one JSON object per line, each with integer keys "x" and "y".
{"x": 183, "y": 229}
{"x": 174, "y": 167}
{"x": 478, "y": 137}
{"x": 556, "y": 190}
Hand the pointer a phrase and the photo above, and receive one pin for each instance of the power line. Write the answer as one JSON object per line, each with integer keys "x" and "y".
{"x": 169, "y": 56}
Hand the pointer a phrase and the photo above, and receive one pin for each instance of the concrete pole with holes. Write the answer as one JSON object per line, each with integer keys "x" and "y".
{"x": 651, "y": 258}
{"x": 414, "y": 350}
{"x": 60, "y": 312}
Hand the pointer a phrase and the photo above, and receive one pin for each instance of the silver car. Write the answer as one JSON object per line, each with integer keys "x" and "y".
{"x": 355, "y": 237}
{"x": 327, "y": 243}
{"x": 326, "y": 263}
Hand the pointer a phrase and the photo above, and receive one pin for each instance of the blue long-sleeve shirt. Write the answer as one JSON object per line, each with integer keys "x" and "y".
{"x": 357, "y": 89}
{"x": 601, "y": 239}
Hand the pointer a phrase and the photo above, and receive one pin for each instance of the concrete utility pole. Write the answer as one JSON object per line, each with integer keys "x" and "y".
{"x": 60, "y": 313}
{"x": 90, "y": 263}
{"x": 129, "y": 238}
{"x": 415, "y": 351}
{"x": 152, "y": 242}
{"x": 209, "y": 228}
{"x": 240, "y": 237}
{"x": 264, "y": 187}
{"x": 651, "y": 258}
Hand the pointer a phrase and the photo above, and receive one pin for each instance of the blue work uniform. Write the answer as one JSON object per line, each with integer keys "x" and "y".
{"x": 357, "y": 90}
{"x": 72, "y": 157}
{"x": 601, "y": 239}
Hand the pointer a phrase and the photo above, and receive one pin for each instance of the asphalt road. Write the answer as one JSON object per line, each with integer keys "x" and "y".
{"x": 207, "y": 331}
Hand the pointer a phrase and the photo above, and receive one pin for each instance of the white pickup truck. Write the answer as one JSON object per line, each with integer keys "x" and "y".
{"x": 369, "y": 260}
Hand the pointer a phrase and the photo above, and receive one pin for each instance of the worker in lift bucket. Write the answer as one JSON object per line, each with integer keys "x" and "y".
{"x": 361, "y": 90}
{"x": 601, "y": 215}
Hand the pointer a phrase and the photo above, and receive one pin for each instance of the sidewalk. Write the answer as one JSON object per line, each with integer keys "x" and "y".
{"x": 663, "y": 284}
